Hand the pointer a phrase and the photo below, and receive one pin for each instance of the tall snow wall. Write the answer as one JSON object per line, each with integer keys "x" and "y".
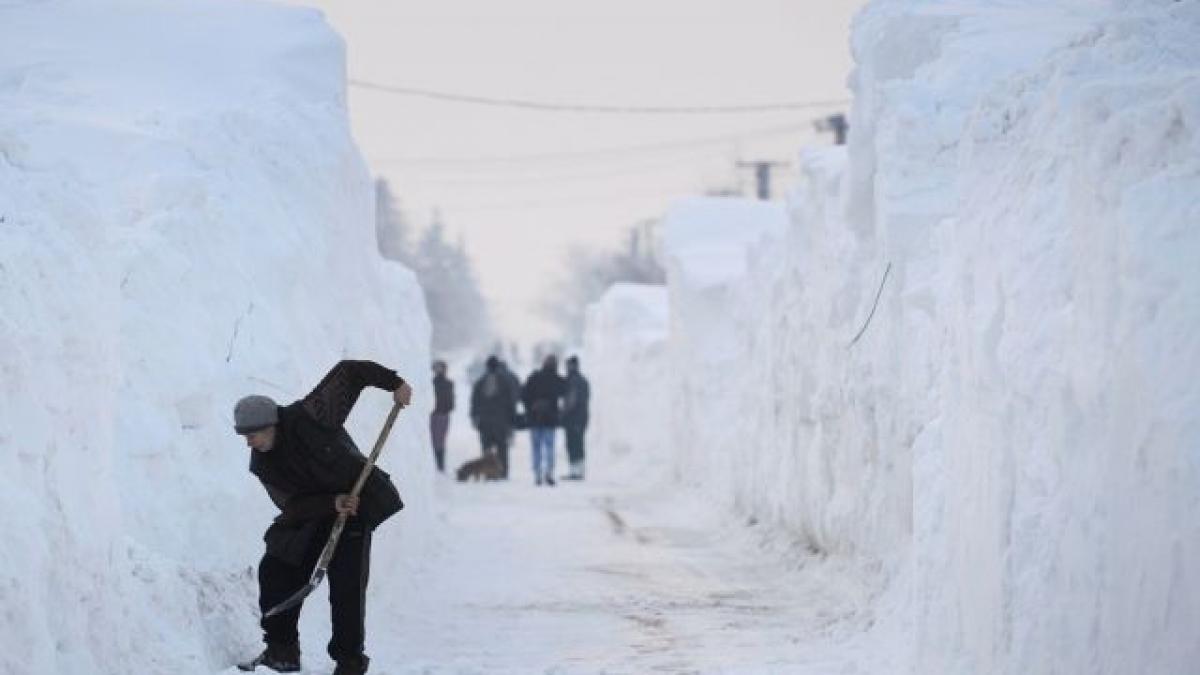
{"x": 774, "y": 411}
{"x": 625, "y": 340}
{"x": 1012, "y": 426}
{"x": 1032, "y": 171}
{"x": 184, "y": 219}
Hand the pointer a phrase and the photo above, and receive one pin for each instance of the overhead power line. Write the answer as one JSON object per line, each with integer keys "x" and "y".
{"x": 608, "y": 197}
{"x": 541, "y": 175}
{"x": 601, "y": 152}
{"x": 592, "y": 108}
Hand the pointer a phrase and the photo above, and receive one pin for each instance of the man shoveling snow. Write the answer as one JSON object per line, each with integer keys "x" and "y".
{"x": 311, "y": 469}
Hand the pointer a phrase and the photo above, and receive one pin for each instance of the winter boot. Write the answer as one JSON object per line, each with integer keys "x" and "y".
{"x": 576, "y": 471}
{"x": 356, "y": 665}
{"x": 278, "y": 657}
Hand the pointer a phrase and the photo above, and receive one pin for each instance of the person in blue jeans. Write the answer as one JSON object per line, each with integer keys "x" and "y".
{"x": 541, "y": 395}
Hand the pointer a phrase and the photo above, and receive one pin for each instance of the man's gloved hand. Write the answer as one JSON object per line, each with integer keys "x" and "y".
{"x": 403, "y": 395}
{"x": 346, "y": 505}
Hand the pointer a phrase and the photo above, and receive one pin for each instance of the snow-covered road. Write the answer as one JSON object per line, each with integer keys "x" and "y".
{"x": 605, "y": 576}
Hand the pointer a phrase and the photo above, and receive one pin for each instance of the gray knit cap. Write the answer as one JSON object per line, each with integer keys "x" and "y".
{"x": 253, "y": 413}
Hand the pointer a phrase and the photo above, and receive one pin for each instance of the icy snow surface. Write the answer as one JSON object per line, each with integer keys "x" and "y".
{"x": 625, "y": 573}
{"x": 183, "y": 220}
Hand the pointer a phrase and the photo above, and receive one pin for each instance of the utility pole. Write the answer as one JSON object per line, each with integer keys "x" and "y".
{"x": 762, "y": 175}
{"x": 837, "y": 124}
{"x": 646, "y": 229}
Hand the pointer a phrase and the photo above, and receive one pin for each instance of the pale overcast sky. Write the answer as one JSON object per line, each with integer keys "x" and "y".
{"x": 518, "y": 214}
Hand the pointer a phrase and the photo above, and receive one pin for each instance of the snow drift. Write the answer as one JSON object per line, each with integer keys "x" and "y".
{"x": 967, "y": 357}
{"x": 184, "y": 219}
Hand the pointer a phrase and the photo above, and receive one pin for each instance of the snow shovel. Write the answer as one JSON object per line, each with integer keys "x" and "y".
{"x": 318, "y": 573}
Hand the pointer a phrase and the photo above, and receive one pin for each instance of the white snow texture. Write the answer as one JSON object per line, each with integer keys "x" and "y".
{"x": 184, "y": 220}
{"x": 625, "y": 353}
{"x": 1014, "y": 440}
{"x": 1005, "y": 449}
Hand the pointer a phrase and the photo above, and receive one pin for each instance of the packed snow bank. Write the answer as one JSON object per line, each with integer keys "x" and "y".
{"x": 1040, "y": 206}
{"x": 183, "y": 220}
{"x": 773, "y": 413}
{"x": 968, "y": 355}
{"x": 768, "y": 412}
{"x": 625, "y": 348}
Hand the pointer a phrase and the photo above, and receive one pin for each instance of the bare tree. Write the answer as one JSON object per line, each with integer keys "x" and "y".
{"x": 457, "y": 309}
{"x": 391, "y": 225}
{"x": 591, "y": 273}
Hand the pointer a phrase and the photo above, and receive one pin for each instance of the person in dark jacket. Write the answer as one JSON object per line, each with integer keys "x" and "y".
{"x": 439, "y": 419}
{"x": 514, "y": 388}
{"x": 575, "y": 416}
{"x": 308, "y": 464}
{"x": 492, "y": 410}
{"x": 541, "y": 395}
{"x": 511, "y": 380}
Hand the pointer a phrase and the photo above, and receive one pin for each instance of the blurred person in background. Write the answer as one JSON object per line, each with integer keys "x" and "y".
{"x": 541, "y": 395}
{"x": 439, "y": 419}
{"x": 493, "y": 408}
{"x": 575, "y": 417}
{"x": 514, "y": 387}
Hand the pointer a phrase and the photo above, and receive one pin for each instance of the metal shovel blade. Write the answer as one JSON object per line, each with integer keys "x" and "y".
{"x": 299, "y": 596}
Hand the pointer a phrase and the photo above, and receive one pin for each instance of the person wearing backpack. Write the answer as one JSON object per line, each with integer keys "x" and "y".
{"x": 493, "y": 408}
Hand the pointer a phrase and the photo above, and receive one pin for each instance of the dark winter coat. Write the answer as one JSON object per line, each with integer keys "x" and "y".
{"x": 314, "y": 459}
{"x": 493, "y": 405}
{"x": 443, "y": 395}
{"x": 576, "y": 401}
{"x": 540, "y": 395}
{"x": 510, "y": 379}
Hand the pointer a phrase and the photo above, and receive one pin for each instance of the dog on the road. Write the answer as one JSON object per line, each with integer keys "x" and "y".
{"x": 486, "y": 467}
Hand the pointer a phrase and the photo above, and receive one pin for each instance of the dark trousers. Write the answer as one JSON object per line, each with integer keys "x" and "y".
{"x": 496, "y": 440}
{"x": 502, "y": 455}
{"x": 439, "y": 424}
{"x": 347, "y": 579}
{"x": 574, "y": 434}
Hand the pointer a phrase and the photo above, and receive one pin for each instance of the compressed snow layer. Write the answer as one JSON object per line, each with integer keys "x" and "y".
{"x": 183, "y": 220}
{"x": 1056, "y": 483}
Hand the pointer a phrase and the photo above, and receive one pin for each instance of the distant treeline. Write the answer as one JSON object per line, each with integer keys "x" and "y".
{"x": 457, "y": 310}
